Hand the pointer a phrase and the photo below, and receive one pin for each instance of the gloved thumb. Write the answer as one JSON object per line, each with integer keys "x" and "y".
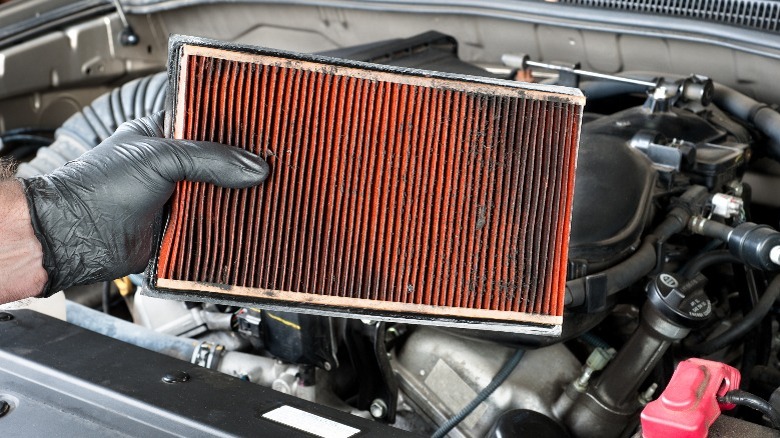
{"x": 200, "y": 161}
{"x": 215, "y": 163}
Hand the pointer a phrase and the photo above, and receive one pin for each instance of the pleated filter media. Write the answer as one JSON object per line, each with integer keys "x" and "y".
{"x": 395, "y": 194}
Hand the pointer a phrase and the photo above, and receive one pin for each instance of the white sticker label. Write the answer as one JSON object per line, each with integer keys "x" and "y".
{"x": 316, "y": 425}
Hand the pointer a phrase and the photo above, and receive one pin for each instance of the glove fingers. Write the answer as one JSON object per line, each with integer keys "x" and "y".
{"x": 214, "y": 163}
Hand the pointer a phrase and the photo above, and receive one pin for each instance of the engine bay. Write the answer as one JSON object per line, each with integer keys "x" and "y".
{"x": 670, "y": 318}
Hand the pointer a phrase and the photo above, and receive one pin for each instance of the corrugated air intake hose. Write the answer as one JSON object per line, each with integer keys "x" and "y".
{"x": 97, "y": 121}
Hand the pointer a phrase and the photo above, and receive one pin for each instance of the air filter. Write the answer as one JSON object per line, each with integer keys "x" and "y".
{"x": 395, "y": 194}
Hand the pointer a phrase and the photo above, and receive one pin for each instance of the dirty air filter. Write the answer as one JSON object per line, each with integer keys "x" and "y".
{"x": 395, "y": 193}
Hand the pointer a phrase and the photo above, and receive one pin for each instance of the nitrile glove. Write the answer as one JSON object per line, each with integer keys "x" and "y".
{"x": 95, "y": 216}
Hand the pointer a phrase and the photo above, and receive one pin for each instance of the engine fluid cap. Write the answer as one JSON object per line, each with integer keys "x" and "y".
{"x": 688, "y": 406}
{"x": 681, "y": 301}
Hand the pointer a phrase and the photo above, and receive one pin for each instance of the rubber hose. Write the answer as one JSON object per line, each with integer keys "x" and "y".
{"x": 766, "y": 119}
{"x": 603, "y": 89}
{"x": 499, "y": 378}
{"x": 97, "y": 121}
{"x": 716, "y": 230}
{"x": 744, "y": 398}
{"x": 707, "y": 259}
{"x": 258, "y": 369}
{"x": 640, "y": 263}
{"x": 744, "y": 326}
{"x": 105, "y": 324}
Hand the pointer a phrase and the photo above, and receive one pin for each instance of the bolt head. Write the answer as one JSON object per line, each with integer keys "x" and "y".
{"x": 176, "y": 377}
{"x": 378, "y": 408}
{"x": 281, "y": 386}
{"x": 128, "y": 38}
{"x": 5, "y": 408}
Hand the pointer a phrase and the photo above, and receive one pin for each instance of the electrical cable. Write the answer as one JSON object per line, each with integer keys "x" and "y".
{"x": 26, "y": 138}
{"x": 744, "y": 326}
{"x": 499, "y": 378}
{"x": 744, "y": 398}
{"x": 29, "y": 130}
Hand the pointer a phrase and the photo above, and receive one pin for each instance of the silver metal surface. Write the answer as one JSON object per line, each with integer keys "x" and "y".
{"x": 166, "y": 316}
{"x": 432, "y": 359}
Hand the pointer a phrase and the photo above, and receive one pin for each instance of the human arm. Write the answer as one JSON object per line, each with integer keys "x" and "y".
{"x": 21, "y": 258}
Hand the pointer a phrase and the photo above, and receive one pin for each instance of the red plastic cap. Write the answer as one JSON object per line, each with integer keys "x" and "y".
{"x": 688, "y": 406}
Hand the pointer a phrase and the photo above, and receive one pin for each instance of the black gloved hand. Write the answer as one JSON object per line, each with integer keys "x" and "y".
{"x": 95, "y": 215}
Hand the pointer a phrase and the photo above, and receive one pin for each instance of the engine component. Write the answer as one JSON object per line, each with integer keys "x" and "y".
{"x": 745, "y": 325}
{"x": 763, "y": 116}
{"x": 257, "y": 369}
{"x": 709, "y": 164}
{"x": 674, "y": 307}
{"x": 174, "y": 346}
{"x": 666, "y": 155}
{"x": 293, "y": 379}
{"x": 597, "y": 360}
{"x": 688, "y": 406}
{"x": 482, "y": 247}
{"x": 367, "y": 344}
{"x": 498, "y": 379}
{"x": 727, "y": 206}
{"x": 175, "y": 317}
{"x": 681, "y": 302}
{"x": 756, "y": 245}
{"x": 524, "y": 422}
{"x": 299, "y": 338}
{"x": 599, "y": 241}
{"x": 440, "y": 373}
{"x": 592, "y": 291}
{"x": 697, "y": 147}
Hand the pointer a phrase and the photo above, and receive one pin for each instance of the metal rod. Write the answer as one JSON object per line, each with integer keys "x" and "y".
{"x": 590, "y": 74}
{"x": 121, "y": 13}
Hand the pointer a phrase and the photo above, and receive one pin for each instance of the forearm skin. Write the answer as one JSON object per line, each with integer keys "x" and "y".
{"x": 21, "y": 257}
